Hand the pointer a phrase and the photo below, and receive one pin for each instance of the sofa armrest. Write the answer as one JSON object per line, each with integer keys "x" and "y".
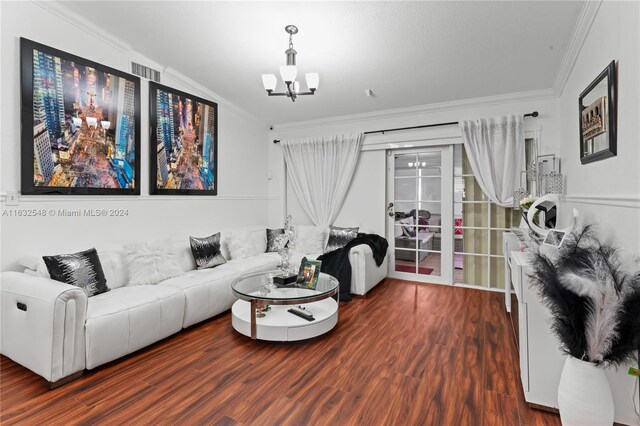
{"x": 42, "y": 324}
{"x": 365, "y": 274}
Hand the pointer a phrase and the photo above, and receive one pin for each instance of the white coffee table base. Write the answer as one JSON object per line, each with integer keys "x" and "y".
{"x": 281, "y": 326}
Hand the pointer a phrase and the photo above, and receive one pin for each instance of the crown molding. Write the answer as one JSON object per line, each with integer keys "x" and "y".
{"x": 79, "y": 21}
{"x": 203, "y": 91}
{"x": 580, "y": 32}
{"x": 534, "y": 95}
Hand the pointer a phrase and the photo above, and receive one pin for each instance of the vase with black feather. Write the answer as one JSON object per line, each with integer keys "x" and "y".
{"x": 594, "y": 303}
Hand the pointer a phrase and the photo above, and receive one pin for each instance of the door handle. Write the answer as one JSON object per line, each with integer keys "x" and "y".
{"x": 390, "y": 211}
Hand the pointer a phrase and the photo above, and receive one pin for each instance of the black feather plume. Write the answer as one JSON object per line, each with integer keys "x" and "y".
{"x": 594, "y": 301}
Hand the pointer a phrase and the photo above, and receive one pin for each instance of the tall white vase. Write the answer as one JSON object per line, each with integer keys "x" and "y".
{"x": 584, "y": 395}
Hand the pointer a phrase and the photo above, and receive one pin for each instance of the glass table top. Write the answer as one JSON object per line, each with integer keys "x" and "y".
{"x": 254, "y": 286}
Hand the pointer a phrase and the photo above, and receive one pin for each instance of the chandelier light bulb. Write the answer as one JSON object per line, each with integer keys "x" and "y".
{"x": 269, "y": 81}
{"x": 288, "y": 73}
{"x": 312, "y": 80}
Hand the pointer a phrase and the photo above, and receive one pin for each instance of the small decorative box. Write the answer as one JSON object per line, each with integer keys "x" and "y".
{"x": 279, "y": 280}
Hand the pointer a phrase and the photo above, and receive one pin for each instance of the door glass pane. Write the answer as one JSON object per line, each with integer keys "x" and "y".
{"x": 429, "y": 263}
{"x": 406, "y": 261}
{"x": 497, "y": 272}
{"x": 405, "y": 165}
{"x": 502, "y": 217}
{"x": 429, "y": 163}
{"x": 417, "y": 205}
{"x": 474, "y": 269}
{"x": 429, "y": 188}
{"x": 405, "y": 189}
{"x": 472, "y": 214}
{"x": 472, "y": 241}
{"x": 466, "y": 188}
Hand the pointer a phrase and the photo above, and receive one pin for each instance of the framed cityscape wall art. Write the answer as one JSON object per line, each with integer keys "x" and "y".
{"x": 183, "y": 143}
{"x": 80, "y": 125}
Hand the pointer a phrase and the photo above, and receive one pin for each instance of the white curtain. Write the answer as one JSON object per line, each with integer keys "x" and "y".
{"x": 320, "y": 170}
{"x": 495, "y": 149}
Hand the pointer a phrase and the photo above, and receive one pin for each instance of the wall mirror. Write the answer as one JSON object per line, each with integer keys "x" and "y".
{"x": 597, "y": 109}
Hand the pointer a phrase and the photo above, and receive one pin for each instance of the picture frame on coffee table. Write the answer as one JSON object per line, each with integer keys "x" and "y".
{"x": 80, "y": 125}
{"x": 183, "y": 143}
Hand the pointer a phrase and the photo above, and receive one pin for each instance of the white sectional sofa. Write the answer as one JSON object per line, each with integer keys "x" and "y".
{"x": 55, "y": 330}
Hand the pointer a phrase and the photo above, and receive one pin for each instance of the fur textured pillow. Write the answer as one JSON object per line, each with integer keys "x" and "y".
{"x": 241, "y": 245}
{"x": 310, "y": 239}
{"x": 151, "y": 262}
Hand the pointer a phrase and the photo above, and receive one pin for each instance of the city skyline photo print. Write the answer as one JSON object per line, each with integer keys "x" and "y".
{"x": 183, "y": 145}
{"x": 80, "y": 125}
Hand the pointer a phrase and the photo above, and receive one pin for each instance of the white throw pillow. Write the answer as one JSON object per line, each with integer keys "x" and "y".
{"x": 151, "y": 262}
{"x": 310, "y": 240}
{"x": 241, "y": 244}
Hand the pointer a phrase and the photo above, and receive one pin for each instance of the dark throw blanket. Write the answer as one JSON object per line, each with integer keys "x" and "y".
{"x": 336, "y": 263}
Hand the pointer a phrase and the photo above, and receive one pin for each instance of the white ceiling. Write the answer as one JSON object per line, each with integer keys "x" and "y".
{"x": 408, "y": 53}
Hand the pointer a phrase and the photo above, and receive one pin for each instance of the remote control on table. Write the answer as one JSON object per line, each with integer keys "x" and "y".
{"x": 302, "y": 314}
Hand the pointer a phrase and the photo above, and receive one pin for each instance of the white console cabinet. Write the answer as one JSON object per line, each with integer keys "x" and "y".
{"x": 540, "y": 359}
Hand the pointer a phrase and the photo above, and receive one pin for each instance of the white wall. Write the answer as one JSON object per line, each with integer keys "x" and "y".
{"x": 607, "y": 192}
{"x": 242, "y": 170}
{"x": 366, "y": 199}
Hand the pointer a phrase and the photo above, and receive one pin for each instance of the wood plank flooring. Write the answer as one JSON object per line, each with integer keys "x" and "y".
{"x": 407, "y": 354}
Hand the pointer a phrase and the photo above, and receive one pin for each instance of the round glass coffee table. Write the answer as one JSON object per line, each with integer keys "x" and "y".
{"x": 263, "y": 313}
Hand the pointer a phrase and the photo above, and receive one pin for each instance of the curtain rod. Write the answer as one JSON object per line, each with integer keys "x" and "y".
{"x": 533, "y": 114}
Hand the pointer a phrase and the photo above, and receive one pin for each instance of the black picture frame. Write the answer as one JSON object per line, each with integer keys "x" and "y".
{"x": 605, "y": 129}
{"x": 204, "y": 116}
{"x": 76, "y": 147}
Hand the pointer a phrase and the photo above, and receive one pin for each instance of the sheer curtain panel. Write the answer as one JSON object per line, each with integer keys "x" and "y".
{"x": 495, "y": 149}
{"x": 320, "y": 170}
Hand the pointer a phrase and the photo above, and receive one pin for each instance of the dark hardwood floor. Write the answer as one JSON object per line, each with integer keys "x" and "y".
{"x": 408, "y": 354}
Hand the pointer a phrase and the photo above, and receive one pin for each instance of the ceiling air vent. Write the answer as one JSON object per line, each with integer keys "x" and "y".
{"x": 145, "y": 72}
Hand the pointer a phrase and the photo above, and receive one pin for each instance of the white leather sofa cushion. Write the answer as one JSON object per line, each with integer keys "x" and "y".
{"x": 126, "y": 319}
{"x": 208, "y": 291}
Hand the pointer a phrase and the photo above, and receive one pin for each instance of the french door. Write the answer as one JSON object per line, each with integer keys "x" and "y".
{"x": 419, "y": 214}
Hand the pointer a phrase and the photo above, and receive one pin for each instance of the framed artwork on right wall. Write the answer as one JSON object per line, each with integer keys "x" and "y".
{"x": 597, "y": 112}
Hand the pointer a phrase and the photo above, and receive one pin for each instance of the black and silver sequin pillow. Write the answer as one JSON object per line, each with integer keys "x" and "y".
{"x": 339, "y": 237}
{"x": 206, "y": 251}
{"x": 79, "y": 269}
{"x": 272, "y": 234}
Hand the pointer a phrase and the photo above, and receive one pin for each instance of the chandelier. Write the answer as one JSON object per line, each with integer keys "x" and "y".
{"x": 289, "y": 72}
